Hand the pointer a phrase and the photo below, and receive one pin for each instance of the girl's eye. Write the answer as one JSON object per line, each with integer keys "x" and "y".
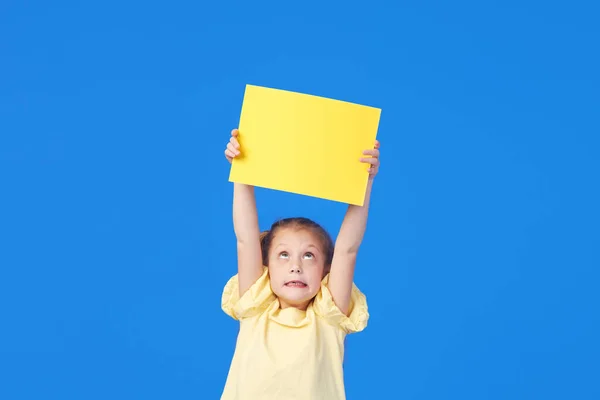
{"x": 310, "y": 256}
{"x": 284, "y": 255}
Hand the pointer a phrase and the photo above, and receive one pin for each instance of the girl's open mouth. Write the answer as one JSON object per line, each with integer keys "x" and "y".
{"x": 295, "y": 284}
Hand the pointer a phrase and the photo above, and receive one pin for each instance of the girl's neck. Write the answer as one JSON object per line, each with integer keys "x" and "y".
{"x": 283, "y": 305}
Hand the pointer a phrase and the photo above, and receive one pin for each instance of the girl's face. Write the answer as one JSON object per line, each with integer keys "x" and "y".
{"x": 296, "y": 263}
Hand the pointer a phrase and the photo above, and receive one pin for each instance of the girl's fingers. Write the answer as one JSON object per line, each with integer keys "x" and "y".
{"x": 229, "y": 154}
{"x": 372, "y": 161}
{"x": 231, "y": 147}
{"x": 371, "y": 152}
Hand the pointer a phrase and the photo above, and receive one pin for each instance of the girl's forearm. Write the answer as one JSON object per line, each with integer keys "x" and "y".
{"x": 245, "y": 217}
{"x": 245, "y": 222}
{"x": 354, "y": 225}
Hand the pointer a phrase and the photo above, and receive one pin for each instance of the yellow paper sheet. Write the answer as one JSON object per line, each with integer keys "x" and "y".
{"x": 304, "y": 144}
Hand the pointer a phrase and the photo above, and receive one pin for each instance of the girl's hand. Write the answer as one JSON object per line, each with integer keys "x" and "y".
{"x": 373, "y": 161}
{"x": 233, "y": 147}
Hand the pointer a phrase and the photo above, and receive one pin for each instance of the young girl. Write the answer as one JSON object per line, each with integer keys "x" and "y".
{"x": 295, "y": 299}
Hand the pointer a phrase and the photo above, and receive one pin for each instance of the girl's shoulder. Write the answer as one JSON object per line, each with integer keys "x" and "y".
{"x": 358, "y": 312}
{"x": 253, "y": 302}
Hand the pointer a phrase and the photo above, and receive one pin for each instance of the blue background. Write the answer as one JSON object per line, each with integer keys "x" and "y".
{"x": 481, "y": 260}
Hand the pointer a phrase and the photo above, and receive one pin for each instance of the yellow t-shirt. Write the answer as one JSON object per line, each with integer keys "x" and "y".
{"x": 288, "y": 353}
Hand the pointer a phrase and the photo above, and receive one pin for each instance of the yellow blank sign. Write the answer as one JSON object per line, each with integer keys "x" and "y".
{"x": 304, "y": 144}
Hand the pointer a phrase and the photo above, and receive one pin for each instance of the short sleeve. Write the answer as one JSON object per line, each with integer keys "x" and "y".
{"x": 253, "y": 302}
{"x": 358, "y": 313}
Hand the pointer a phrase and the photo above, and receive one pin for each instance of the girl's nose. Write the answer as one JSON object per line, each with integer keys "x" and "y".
{"x": 295, "y": 268}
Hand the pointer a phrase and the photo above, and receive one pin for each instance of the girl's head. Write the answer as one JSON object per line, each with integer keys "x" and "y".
{"x": 298, "y": 253}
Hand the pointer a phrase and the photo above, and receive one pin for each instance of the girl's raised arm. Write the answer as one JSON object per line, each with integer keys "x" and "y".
{"x": 245, "y": 224}
{"x": 349, "y": 239}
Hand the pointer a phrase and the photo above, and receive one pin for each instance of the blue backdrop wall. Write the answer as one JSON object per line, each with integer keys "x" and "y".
{"x": 481, "y": 258}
